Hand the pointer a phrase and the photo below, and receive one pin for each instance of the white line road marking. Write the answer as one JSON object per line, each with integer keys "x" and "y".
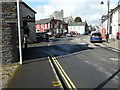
{"x": 49, "y": 44}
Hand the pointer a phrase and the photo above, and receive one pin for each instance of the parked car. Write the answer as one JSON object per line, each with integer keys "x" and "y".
{"x": 57, "y": 35}
{"x": 96, "y": 37}
{"x": 85, "y": 33}
{"x": 42, "y": 36}
{"x": 69, "y": 35}
{"x": 49, "y": 34}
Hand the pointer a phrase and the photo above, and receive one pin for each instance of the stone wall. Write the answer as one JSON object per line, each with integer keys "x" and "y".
{"x": 9, "y": 33}
{"x": 9, "y": 29}
{"x": 0, "y": 33}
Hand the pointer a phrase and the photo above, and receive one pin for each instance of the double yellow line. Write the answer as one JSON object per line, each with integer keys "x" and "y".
{"x": 67, "y": 80}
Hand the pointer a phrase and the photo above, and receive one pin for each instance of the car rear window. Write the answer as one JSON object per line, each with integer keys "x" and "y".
{"x": 96, "y": 34}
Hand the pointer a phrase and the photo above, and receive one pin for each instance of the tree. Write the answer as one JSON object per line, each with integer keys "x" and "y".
{"x": 78, "y": 19}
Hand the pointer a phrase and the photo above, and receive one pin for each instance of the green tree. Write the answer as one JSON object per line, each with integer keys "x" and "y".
{"x": 78, "y": 19}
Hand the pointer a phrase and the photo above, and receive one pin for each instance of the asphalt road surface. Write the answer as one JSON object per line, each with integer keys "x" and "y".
{"x": 87, "y": 66}
{"x": 90, "y": 68}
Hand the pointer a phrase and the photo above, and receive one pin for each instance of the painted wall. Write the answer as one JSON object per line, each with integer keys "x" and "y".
{"x": 115, "y": 23}
{"x": 77, "y": 29}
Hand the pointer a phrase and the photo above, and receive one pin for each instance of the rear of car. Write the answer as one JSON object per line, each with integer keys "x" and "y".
{"x": 57, "y": 35}
{"x": 42, "y": 36}
{"x": 96, "y": 37}
{"x": 69, "y": 35}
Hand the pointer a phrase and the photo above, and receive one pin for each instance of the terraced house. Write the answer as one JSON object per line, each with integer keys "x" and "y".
{"x": 114, "y": 26}
{"x": 51, "y": 25}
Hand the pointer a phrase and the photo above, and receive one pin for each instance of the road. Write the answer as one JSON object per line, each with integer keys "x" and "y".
{"x": 91, "y": 66}
{"x": 87, "y": 66}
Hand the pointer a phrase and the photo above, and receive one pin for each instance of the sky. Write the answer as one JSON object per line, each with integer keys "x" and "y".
{"x": 89, "y": 10}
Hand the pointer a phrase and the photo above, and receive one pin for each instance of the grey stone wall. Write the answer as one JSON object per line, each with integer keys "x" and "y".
{"x": 9, "y": 29}
{"x": 9, "y": 33}
{"x": 0, "y": 34}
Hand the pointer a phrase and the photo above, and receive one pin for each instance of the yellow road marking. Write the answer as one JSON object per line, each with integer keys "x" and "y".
{"x": 68, "y": 81}
{"x": 56, "y": 83}
{"x": 65, "y": 74}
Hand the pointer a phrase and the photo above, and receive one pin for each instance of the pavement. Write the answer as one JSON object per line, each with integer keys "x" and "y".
{"x": 113, "y": 43}
{"x": 9, "y": 70}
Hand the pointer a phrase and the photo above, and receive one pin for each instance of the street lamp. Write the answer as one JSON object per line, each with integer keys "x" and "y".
{"x": 108, "y": 19}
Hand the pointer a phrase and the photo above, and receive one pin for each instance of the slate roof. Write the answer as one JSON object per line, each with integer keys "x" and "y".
{"x": 21, "y": 1}
{"x": 43, "y": 21}
{"x": 60, "y": 21}
{"x": 77, "y": 24}
{"x": 47, "y": 20}
{"x": 116, "y": 8}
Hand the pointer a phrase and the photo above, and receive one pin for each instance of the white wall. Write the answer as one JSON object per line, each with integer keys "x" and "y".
{"x": 78, "y": 29}
{"x": 114, "y": 23}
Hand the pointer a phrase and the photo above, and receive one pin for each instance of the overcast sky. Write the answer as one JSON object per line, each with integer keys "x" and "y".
{"x": 89, "y": 10}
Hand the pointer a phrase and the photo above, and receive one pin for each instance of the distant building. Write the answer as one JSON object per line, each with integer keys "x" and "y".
{"x": 51, "y": 25}
{"x": 45, "y": 25}
{"x": 61, "y": 26}
{"x": 68, "y": 19}
{"x": 78, "y": 27}
{"x": 57, "y": 15}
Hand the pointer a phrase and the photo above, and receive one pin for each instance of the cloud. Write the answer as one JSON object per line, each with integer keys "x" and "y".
{"x": 91, "y": 11}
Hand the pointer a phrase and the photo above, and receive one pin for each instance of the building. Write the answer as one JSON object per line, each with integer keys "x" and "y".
{"x": 114, "y": 24}
{"x": 57, "y": 15}
{"x": 9, "y": 29}
{"x": 27, "y": 17}
{"x": 61, "y": 26}
{"x": 45, "y": 25}
{"x": 78, "y": 27}
{"x": 68, "y": 19}
{"x": 115, "y": 21}
{"x": 51, "y": 25}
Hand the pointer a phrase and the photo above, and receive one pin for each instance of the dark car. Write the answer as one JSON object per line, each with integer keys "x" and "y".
{"x": 42, "y": 36}
{"x": 57, "y": 35}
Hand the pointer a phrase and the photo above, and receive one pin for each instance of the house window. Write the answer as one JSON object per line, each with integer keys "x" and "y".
{"x": 38, "y": 30}
{"x": 42, "y": 25}
{"x": 61, "y": 26}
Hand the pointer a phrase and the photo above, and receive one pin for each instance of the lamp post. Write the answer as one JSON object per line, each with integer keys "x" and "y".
{"x": 108, "y": 19}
